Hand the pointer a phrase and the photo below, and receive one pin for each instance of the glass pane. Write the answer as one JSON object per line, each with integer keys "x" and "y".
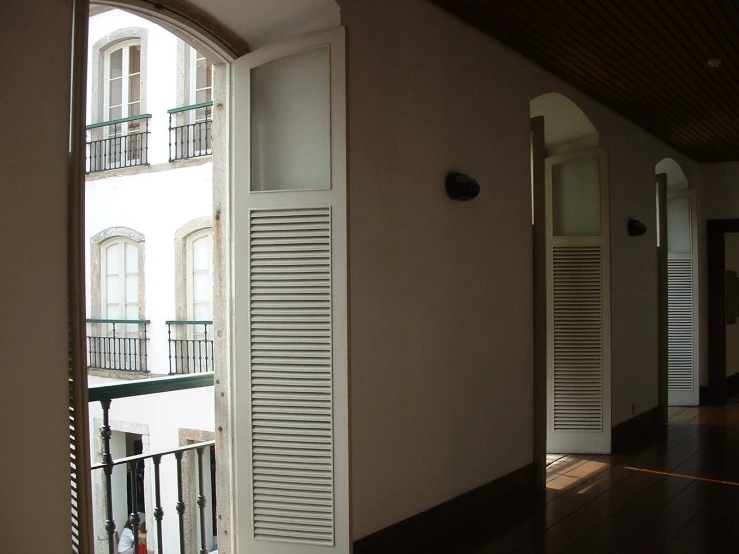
{"x": 111, "y": 259}
{"x": 132, "y": 312}
{"x": 576, "y": 198}
{"x": 134, "y": 109}
{"x": 112, "y": 290}
{"x": 679, "y": 226}
{"x": 201, "y": 253}
{"x": 134, "y": 59}
{"x": 201, "y": 286}
{"x": 115, "y": 113}
{"x": 201, "y": 74}
{"x": 134, "y": 88}
{"x": 201, "y": 312}
{"x": 291, "y": 122}
{"x": 132, "y": 288}
{"x": 132, "y": 259}
{"x": 204, "y": 95}
{"x": 115, "y": 98}
{"x": 113, "y": 312}
{"x": 116, "y": 63}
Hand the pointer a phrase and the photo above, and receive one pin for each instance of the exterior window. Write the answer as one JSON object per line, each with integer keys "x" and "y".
{"x": 123, "y": 80}
{"x": 120, "y": 279}
{"x": 200, "y": 276}
{"x": 201, "y": 74}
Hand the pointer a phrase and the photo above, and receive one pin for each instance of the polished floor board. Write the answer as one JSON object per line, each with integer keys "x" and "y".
{"x": 676, "y": 494}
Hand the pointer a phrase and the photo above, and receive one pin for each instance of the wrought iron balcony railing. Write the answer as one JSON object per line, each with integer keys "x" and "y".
{"x": 117, "y": 344}
{"x": 190, "y": 346}
{"x": 118, "y": 143}
{"x": 190, "y": 133}
{"x": 105, "y": 394}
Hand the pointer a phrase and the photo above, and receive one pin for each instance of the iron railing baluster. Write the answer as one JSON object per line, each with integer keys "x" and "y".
{"x": 191, "y": 139}
{"x": 189, "y": 355}
{"x": 201, "y": 501}
{"x": 158, "y": 510}
{"x": 180, "y": 501}
{"x": 133, "y": 472}
{"x": 105, "y": 433}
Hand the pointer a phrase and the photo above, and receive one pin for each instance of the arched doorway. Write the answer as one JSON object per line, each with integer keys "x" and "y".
{"x": 572, "y": 276}
{"x": 680, "y": 257}
{"x": 279, "y": 253}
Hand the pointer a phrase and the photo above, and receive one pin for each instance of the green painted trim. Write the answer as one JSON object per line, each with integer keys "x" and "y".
{"x": 191, "y": 107}
{"x": 123, "y": 321}
{"x": 153, "y": 385}
{"x": 116, "y": 121}
{"x": 186, "y": 322}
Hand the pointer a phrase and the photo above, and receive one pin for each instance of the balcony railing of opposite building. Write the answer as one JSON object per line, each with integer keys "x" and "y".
{"x": 119, "y": 344}
{"x": 190, "y": 346}
{"x": 105, "y": 394}
{"x": 190, "y": 133}
{"x": 118, "y": 143}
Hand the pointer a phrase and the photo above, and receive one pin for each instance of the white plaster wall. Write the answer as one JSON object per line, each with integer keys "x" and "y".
{"x": 156, "y": 204}
{"x": 34, "y": 425}
{"x": 731, "y": 256}
{"x": 161, "y": 81}
{"x": 441, "y": 292}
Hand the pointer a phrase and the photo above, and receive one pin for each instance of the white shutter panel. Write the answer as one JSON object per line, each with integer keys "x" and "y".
{"x": 680, "y": 355}
{"x": 578, "y": 303}
{"x": 578, "y": 339}
{"x": 291, "y": 353}
{"x": 291, "y": 375}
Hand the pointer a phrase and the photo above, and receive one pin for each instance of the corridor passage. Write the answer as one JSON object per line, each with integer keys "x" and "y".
{"x": 676, "y": 494}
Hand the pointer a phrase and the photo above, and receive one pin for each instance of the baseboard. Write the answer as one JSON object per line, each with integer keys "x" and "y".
{"x": 443, "y": 528}
{"x": 634, "y": 432}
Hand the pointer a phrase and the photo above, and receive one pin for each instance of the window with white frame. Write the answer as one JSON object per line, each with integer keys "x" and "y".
{"x": 201, "y": 83}
{"x": 199, "y": 247}
{"x": 120, "y": 279}
{"x": 123, "y": 84}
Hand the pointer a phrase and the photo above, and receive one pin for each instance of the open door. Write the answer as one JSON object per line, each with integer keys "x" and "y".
{"x": 290, "y": 305}
{"x": 663, "y": 299}
{"x": 578, "y": 303}
{"x": 682, "y": 278}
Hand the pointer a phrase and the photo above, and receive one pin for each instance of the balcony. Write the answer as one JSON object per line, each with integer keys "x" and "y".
{"x": 117, "y": 144}
{"x": 190, "y": 348}
{"x": 119, "y": 344}
{"x": 178, "y": 480}
{"x": 190, "y": 131}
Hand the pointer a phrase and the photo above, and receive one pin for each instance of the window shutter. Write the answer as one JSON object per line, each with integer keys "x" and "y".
{"x": 578, "y": 339}
{"x": 680, "y": 356}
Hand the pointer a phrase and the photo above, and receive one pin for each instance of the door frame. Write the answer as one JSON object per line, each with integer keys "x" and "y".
{"x": 716, "y": 229}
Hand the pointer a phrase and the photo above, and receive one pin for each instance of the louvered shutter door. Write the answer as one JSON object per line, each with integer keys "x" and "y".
{"x": 291, "y": 374}
{"x": 578, "y": 311}
{"x": 682, "y": 300}
{"x": 578, "y": 339}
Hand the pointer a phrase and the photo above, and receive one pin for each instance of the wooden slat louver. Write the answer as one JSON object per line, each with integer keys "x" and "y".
{"x": 680, "y": 353}
{"x": 291, "y": 375}
{"x": 578, "y": 338}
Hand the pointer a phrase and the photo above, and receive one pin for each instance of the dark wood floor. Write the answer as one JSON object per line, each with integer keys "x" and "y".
{"x": 676, "y": 494}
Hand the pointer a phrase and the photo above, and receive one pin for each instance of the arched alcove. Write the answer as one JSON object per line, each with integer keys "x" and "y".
{"x": 676, "y": 178}
{"x": 566, "y": 126}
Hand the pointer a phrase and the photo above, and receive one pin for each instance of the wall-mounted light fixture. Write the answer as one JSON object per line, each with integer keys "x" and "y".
{"x": 461, "y": 187}
{"x": 636, "y": 228}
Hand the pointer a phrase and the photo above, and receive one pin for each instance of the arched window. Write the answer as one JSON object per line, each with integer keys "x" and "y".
{"x": 123, "y": 80}
{"x": 200, "y": 275}
{"x": 120, "y": 279}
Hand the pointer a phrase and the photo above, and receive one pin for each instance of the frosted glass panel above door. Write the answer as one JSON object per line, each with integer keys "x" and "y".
{"x": 679, "y": 229}
{"x": 576, "y": 198}
{"x": 291, "y": 122}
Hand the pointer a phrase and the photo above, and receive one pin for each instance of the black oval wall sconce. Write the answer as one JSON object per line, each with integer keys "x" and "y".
{"x": 636, "y": 228}
{"x": 461, "y": 187}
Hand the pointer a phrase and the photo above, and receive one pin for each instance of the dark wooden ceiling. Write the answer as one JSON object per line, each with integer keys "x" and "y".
{"x": 646, "y": 59}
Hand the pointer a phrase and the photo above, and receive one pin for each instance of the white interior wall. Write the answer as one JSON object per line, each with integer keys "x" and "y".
{"x": 441, "y": 293}
{"x": 34, "y": 61}
{"x": 731, "y": 256}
